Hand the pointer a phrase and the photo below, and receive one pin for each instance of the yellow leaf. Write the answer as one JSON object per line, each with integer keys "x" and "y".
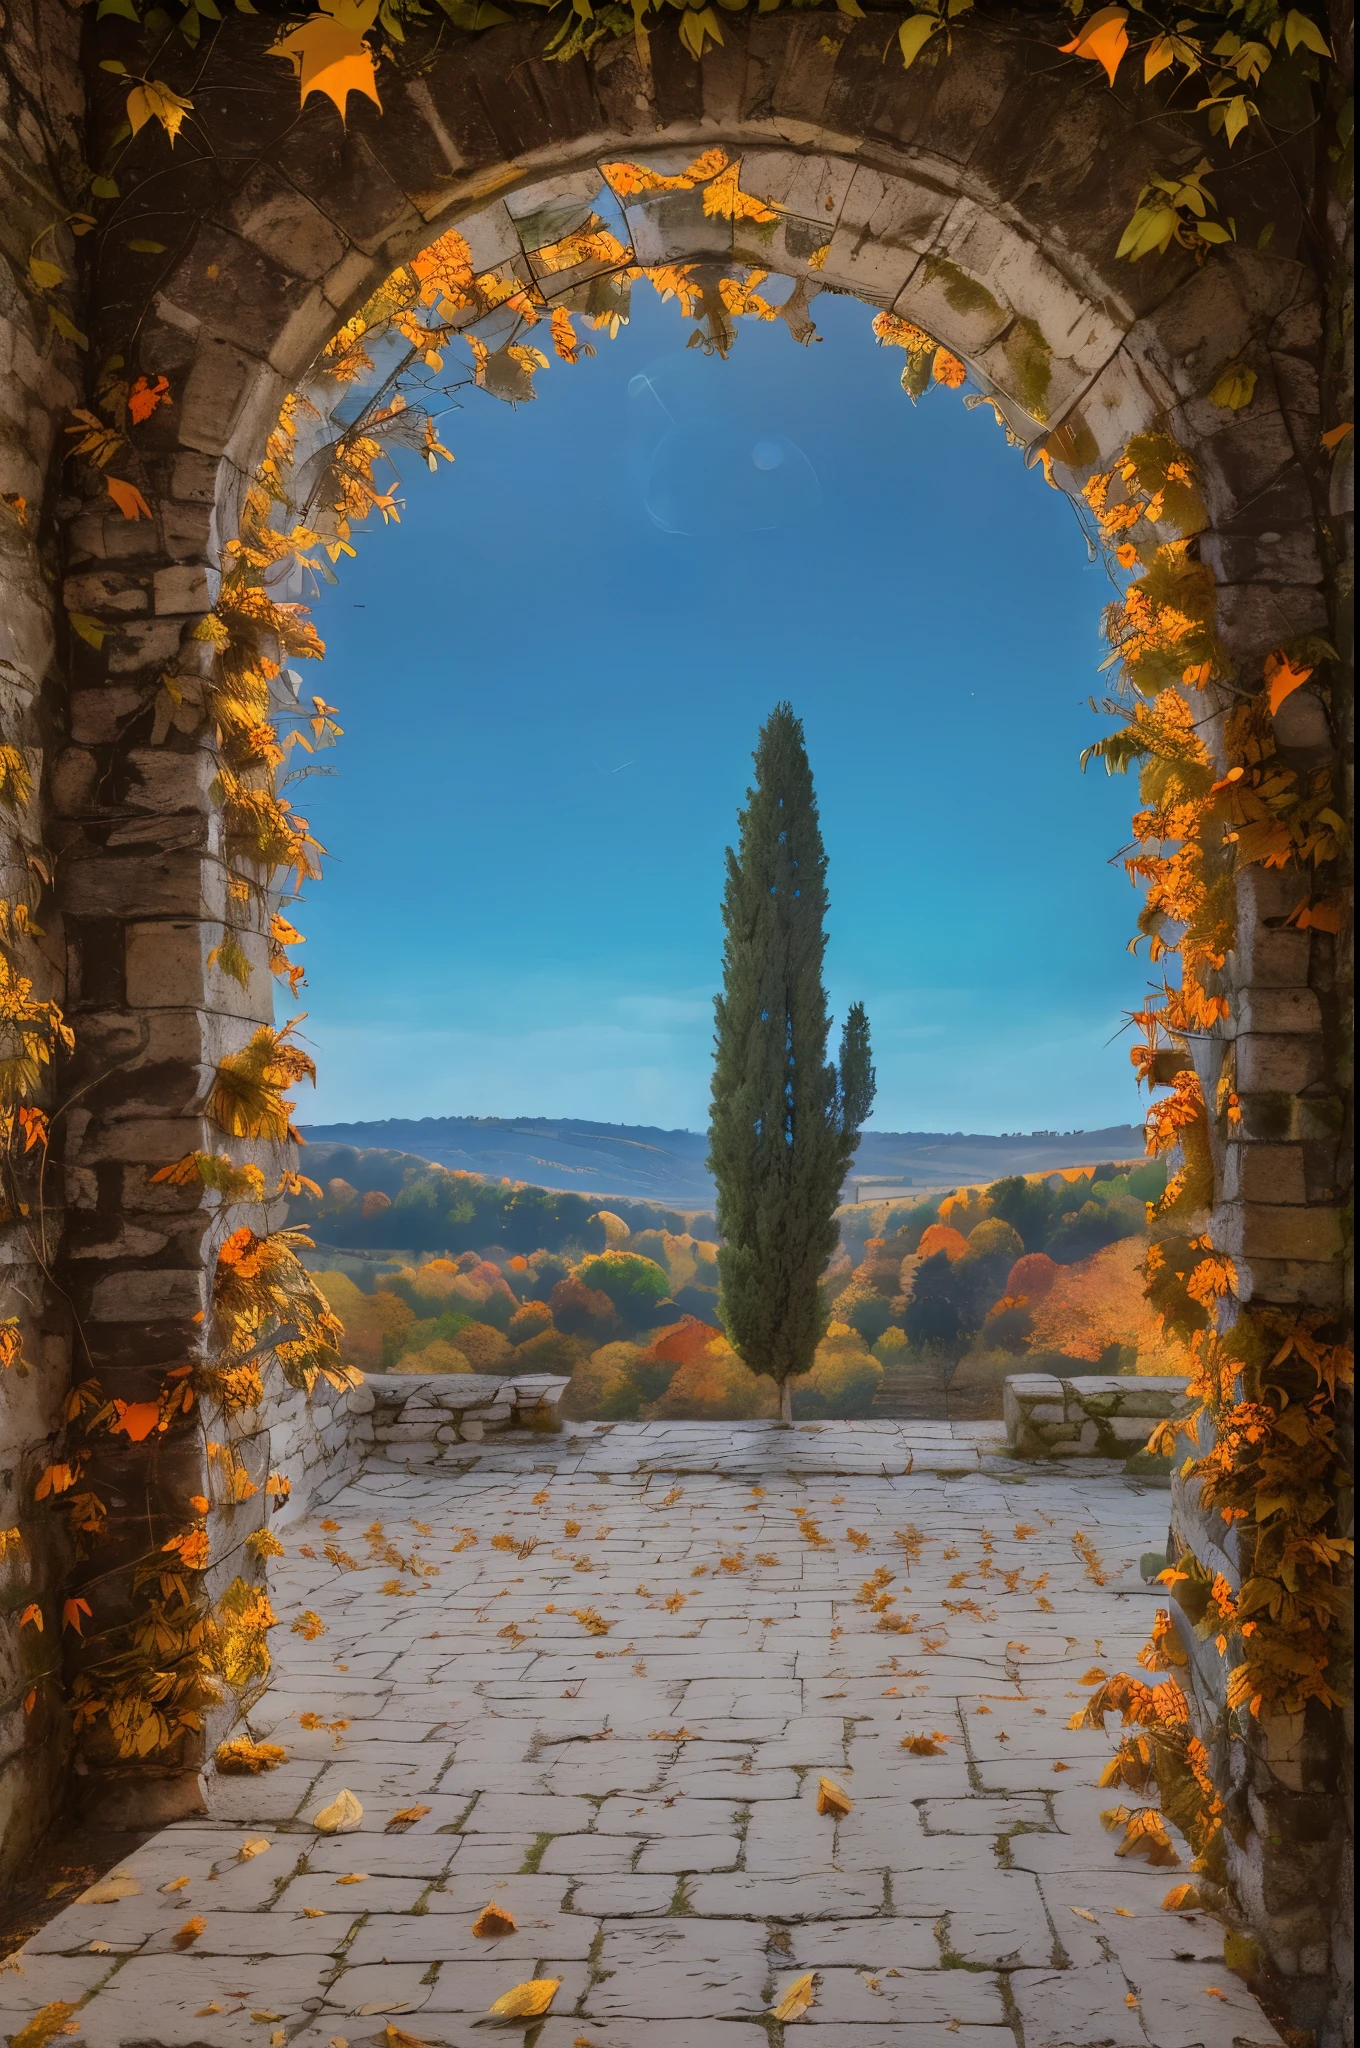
{"x": 1081, "y": 1912}
{"x": 831, "y": 1799}
{"x": 341, "y": 1817}
{"x": 255, "y": 1847}
{"x": 176, "y": 1884}
{"x": 914, "y": 34}
{"x": 526, "y": 2001}
{"x": 1299, "y": 29}
{"x": 800, "y": 1997}
{"x": 493, "y": 1920}
{"x": 44, "y": 274}
{"x": 154, "y": 101}
{"x": 121, "y": 1885}
{"x": 52, "y": 2020}
{"x": 1103, "y": 39}
{"x": 353, "y": 1877}
{"x": 188, "y": 1934}
{"x": 127, "y": 498}
{"x": 330, "y": 54}
{"x": 1235, "y": 388}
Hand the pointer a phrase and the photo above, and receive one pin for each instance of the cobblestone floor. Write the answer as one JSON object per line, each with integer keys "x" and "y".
{"x": 598, "y": 1678}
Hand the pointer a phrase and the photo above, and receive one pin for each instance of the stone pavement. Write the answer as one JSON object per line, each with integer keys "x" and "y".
{"x": 597, "y": 1677}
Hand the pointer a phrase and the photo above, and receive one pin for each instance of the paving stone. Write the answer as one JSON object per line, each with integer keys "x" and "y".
{"x": 710, "y": 1968}
{"x": 1077, "y": 2008}
{"x": 598, "y": 1786}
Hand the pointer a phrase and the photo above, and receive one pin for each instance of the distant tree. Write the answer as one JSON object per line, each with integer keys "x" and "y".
{"x": 785, "y": 1122}
{"x": 1027, "y": 1206}
{"x": 633, "y": 1284}
{"x": 581, "y": 1311}
{"x": 942, "y": 1237}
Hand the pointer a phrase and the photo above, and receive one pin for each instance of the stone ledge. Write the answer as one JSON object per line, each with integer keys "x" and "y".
{"x": 1091, "y": 1416}
{"x": 438, "y": 1409}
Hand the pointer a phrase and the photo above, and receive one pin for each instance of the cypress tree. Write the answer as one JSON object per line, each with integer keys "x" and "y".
{"x": 785, "y": 1121}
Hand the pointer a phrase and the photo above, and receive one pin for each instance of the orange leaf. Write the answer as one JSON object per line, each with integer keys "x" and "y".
{"x": 1336, "y": 435}
{"x": 1283, "y": 677}
{"x": 190, "y": 1931}
{"x": 127, "y": 498}
{"x": 145, "y": 396}
{"x": 330, "y": 53}
{"x": 136, "y": 1419}
{"x": 32, "y": 1617}
{"x": 1317, "y": 917}
{"x": 71, "y": 1613}
{"x": 831, "y": 1799}
{"x": 946, "y": 369}
{"x": 1104, "y": 40}
{"x": 493, "y": 1920}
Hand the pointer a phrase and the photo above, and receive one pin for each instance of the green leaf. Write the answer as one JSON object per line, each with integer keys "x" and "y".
{"x": 913, "y": 36}
{"x": 474, "y": 15}
{"x": 1213, "y": 231}
{"x": 146, "y": 248}
{"x": 112, "y": 64}
{"x": 44, "y": 274}
{"x": 123, "y": 7}
{"x": 67, "y": 329}
{"x": 104, "y": 188}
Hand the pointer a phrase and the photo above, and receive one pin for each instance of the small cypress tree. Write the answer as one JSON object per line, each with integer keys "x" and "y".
{"x": 785, "y": 1122}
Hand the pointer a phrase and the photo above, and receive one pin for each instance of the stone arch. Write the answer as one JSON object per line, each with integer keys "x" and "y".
{"x": 982, "y": 198}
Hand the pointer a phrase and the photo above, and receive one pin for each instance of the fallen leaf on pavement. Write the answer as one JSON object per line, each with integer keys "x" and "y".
{"x": 343, "y": 1814}
{"x": 122, "y": 1885}
{"x": 525, "y": 2001}
{"x": 831, "y": 1799}
{"x": 188, "y": 1934}
{"x": 493, "y": 1920}
{"x": 798, "y": 1999}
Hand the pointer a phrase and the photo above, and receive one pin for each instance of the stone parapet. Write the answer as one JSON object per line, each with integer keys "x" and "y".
{"x": 416, "y": 1416}
{"x": 1090, "y": 1417}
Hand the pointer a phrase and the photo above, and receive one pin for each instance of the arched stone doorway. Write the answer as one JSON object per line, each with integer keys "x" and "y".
{"x": 981, "y": 200}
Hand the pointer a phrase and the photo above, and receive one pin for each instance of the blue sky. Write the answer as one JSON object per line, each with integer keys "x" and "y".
{"x": 551, "y": 675}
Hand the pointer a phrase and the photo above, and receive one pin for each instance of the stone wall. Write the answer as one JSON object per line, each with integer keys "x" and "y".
{"x": 1090, "y": 1417}
{"x": 42, "y": 110}
{"x": 889, "y": 185}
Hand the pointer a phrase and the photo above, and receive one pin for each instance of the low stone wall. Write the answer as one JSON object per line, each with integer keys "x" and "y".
{"x": 1090, "y": 1416}
{"x": 416, "y": 1417}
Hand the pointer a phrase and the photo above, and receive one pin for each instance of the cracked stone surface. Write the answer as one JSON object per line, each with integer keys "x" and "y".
{"x": 597, "y": 1678}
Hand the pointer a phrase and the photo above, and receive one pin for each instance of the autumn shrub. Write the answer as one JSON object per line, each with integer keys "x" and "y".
{"x": 1007, "y": 1327}
{"x": 1093, "y": 1226}
{"x": 717, "y": 1386}
{"x": 1032, "y": 1276}
{"x": 473, "y": 1285}
{"x": 370, "y": 1320}
{"x": 844, "y": 1378}
{"x": 436, "y": 1356}
{"x": 1100, "y": 1303}
{"x": 582, "y": 1311}
{"x": 965, "y": 1210}
{"x": 529, "y": 1321}
{"x": 604, "y": 1387}
{"x": 892, "y": 1348}
{"x": 551, "y": 1351}
{"x": 941, "y": 1237}
{"x": 634, "y": 1285}
{"x": 869, "y": 1315}
{"x": 486, "y": 1348}
{"x": 414, "y": 1337}
{"x": 616, "y": 1231}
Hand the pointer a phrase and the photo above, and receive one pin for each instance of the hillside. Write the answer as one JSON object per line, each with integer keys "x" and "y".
{"x": 569, "y": 1155}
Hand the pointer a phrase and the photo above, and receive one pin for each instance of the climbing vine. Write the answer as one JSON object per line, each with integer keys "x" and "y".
{"x": 1264, "y": 1464}
{"x": 1263, "y": 1452}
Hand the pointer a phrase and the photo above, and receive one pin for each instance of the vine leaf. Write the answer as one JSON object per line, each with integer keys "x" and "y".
{"x": 153, "y": 100}
{"x": 127, "y": 498}
{"x": 330, "y": 55}
{"x": 1104, "y": 40}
